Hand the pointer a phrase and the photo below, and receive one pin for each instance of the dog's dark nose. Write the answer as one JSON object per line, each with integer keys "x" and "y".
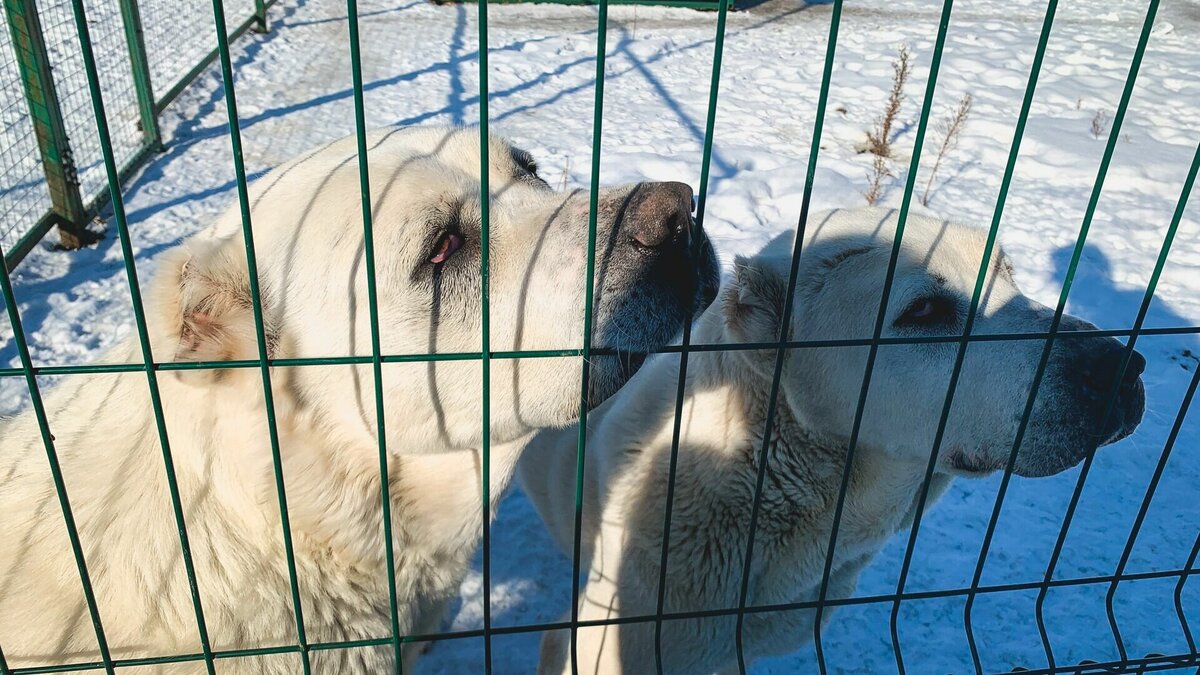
{"x": 1100, "y": 374}
{"x": 660, "y": 215}
{"x": 1115, "y": 399}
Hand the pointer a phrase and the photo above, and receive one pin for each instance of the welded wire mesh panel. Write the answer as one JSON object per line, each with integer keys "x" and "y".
{"x": 23, "y": 194}
{"x": 180, "y": 34}
{"x": 116, "y": 79}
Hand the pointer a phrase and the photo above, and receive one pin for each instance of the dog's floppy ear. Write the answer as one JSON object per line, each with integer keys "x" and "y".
{"x": 755, "y": 296}
{"x": 204, "y": 308}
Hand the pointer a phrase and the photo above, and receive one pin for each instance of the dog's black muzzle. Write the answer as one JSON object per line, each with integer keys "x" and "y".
{"x": 1111, "y": 390}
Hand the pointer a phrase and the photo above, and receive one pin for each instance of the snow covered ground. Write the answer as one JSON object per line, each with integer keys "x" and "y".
{"x": 420, "y": 63}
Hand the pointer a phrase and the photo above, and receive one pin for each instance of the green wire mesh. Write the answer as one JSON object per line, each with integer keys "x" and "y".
{"x": 106, "y": 136}
{"x": 485, "y": 363}
{"x": 177, "y": 46}
{"x": 23, "y": 195}
{"x": 969, "y": 323}
{"x": 360, "y": 127}
{"x": 184, "y": 30}
{"x": 589, "y": 282}
{"x": 115, "y": 73}
{"x": 235, "y": 139}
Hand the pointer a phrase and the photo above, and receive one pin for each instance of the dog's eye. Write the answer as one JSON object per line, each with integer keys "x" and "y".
{"x": 446, "y": 246}
{"x": 931, "y": 311}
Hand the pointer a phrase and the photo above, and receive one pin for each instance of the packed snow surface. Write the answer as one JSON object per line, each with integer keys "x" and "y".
{"x": 421, "y": 66}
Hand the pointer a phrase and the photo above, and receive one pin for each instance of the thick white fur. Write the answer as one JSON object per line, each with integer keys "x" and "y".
{"x": 310, "y": 250}
{"x": 628, "y": 457}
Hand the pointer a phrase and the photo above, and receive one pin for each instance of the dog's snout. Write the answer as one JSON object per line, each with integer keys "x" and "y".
{"x": 660, "y": 215}
{"x": 1099, "y": 374}
{"x": 1111, "y": 390}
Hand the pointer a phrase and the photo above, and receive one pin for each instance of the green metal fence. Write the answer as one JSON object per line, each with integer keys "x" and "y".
{"x": 108, "y": 143}
{"x": 147, "y": 55}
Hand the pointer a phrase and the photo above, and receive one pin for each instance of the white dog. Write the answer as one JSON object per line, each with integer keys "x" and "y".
{"x": 839, "y": 283}
{"x": 308, "y": 229}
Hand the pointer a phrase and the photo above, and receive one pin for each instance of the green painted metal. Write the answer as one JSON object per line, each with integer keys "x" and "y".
{"x": 60, "y": 488}
{"x": 589, "y": 281}
{"x": 58, "y": 162}
{"x": 485, "y": 200}
{"x": 1147, "y": 298}
{"x": 905, "y": 204}
{"x": 172, "y": 93}
{"x": 690, "y": 4}
{"x": 235, "y": 139}
{"x": 262, "y": 23}
{"x": 28, "y": 240}
{"x": 135, "y": 42}
{"x": 1059, "y": 310}
{"x": 73, "y": 209}
{"x": 1191, "y": 561}
{"x": 785, "y": 324}
{"x": 364, "y": 174}
{"x": 31, "y": 238}
{"x": 685, "y": 342}
{"x": 596, "y": 351}
{"x": 1114, "y": 135}
{"x": 485, "y": 355}
{"x": 1182, "y": 574}
{"x": 969, "y": 323}
{"x": 1160, "y": 662}
{"x": 114, "y": 183}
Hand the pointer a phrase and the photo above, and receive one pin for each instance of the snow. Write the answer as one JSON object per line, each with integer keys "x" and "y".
{"x": 420, "y": 66}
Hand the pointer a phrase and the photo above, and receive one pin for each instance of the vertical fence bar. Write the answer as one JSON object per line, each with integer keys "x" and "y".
{"x": 135, "y": 41}
{"x": 1168, "y": 239}
{"x": 364, "y": 176}
{"x": 239, "y": 166}
{"x": 139, "y": 315}
{"x": 485, "y": 200}
{"x": 60, "y": 487}
{"x": 262, "y": 23}
{"x": 785, "y": 322}
{"x": 1068, "y": 279}
{"x": 593, "y": 203}
{"x": 58, "y": 162}
{"x": 968, "y": 325}
{"x": 43, "y": 423}
{"x": 681, "y": 386}
{"x": 1162, "y": 462}
{"x": 1187, "y": 567}
{"x": 905, "y": 204}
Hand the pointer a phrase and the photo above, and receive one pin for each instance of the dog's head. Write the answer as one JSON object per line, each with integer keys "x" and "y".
{"x": 839, "y": 287}
{"x": 651, "y": 266}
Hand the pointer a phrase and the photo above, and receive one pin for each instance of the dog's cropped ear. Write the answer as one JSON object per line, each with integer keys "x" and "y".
{"x": 203, "y": 308}
{"x": 754, "y": 298}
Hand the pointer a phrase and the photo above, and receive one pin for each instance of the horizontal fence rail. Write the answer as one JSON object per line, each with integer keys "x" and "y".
{"x": 596, "y": 351}
{"x": 67, "y": 191}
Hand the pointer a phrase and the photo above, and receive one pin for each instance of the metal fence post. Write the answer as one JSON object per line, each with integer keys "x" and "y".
{"x": 58, "y": 164}
{"x": 261, "y": 25}
{"x": 135, "y": 40}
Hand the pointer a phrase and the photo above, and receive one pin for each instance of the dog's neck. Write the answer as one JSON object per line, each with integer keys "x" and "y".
{"x": 882, "y": 487}
{"x": 332, "y": 480}
{"x": 435, "y": 497}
